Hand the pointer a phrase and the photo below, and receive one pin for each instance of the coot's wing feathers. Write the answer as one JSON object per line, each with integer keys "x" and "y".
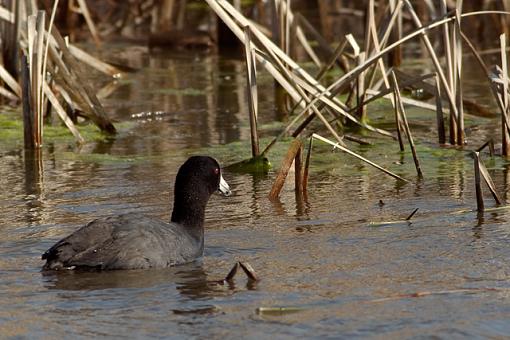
{"x": 88, "y": 236}
{"x": 124, "y": 242}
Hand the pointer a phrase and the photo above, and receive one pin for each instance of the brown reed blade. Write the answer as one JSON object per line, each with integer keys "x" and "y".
{"x": 306, "y": 170}
{"x": 294, "y": 148}
{"x": 298, "y": 171}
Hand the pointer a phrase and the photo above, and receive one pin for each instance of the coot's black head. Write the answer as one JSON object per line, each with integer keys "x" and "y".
{"x": 200, "y": 175}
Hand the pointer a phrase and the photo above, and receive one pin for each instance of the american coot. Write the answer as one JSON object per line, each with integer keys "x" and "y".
{"x": 134, "y": 241}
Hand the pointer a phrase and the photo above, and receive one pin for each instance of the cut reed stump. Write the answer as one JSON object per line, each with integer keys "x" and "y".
{"x": 295, "y": 152}
{"x": 478, "y": 186}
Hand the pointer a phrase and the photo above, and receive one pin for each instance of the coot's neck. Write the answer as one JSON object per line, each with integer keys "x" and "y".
{"x": 189, "y": 210}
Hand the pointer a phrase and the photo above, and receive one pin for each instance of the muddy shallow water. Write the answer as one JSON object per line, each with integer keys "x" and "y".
{"x": 334, "y": 262}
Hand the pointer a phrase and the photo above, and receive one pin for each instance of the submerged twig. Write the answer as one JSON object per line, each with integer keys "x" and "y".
{"x": 412, "y": 214}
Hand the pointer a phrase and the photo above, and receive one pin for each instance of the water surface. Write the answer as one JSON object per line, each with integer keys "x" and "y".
{"x": 334, "y": 260}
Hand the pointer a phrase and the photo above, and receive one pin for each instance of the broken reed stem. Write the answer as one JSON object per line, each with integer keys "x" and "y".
{"x": 478, "y": 187}
{"x": 251, "y": 78}
{"x": 401, "y": 112}
{"x": 294, "y": 148}
{"x": 490, "y": 144}
{"x": 441, "y": 134}
{"x": 344, "y": 149}
{"x": 488, "y": 180}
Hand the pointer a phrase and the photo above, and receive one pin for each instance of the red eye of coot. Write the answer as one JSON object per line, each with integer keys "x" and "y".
{"x": 216, "y": 171}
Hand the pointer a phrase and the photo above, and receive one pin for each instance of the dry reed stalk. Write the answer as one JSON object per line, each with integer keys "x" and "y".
{"x": 441, "y": 135}
{"x": 407, "y": 81}
{"x": 6, "y": 14}
{"x": 220, "y": 7}
{"x": 505, "y": 137}
{"x": 99, "y": 65}
{"x": 10, "y": 81}
{"x": 28, "y": 124}
{"x": 93, "y": 105}
{"x": 488, "y": 180}
{"x": 449, "y": 60}
{"x": 36, "y": 50}
{"x": 8, "y": 94}
{"x": 435, "y": 61}
{"x": 306, "y": 169}
{"x": 298, "y": 170}
{"x": 478, "y": 187}
{"x": 398, "y": 121}
{"x": 303, "y": 95}
{"x": 335, "y": 55}
{"x": 490, "y": 144}
{"x": 401, "y": 112}
{"x": 251, "y": 78}
{"x": 360, "y": 92}
{"x": 319, "y": 39}
{"x": 336, "y": 145}
{"x": 84, "y": 10}
{"x": 10, "y": 32}
{"x": 458, "y": 73}
{"x": 374, "y": 58}
{"x": 294, "y": 148}
{"x": 292, "y": 19}
{"x": 62, "y": 114}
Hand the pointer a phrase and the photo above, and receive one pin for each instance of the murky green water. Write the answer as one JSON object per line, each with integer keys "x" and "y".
{"x": 333, "y": 261}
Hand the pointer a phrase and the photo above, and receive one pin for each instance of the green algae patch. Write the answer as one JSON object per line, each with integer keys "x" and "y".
{"x": 104, "y": 158}
{"x": 179, "y": 92}
{"x": 258, "y": 164}
{"x": 236, "y": 155}
{"x": 11, "y": 131}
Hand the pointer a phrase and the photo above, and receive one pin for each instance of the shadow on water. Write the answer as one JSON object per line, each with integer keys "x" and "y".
{"x": 190, "y": 280}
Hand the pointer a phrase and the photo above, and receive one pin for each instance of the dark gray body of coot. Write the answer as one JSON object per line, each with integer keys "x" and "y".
{"x": 135, "y": 241}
